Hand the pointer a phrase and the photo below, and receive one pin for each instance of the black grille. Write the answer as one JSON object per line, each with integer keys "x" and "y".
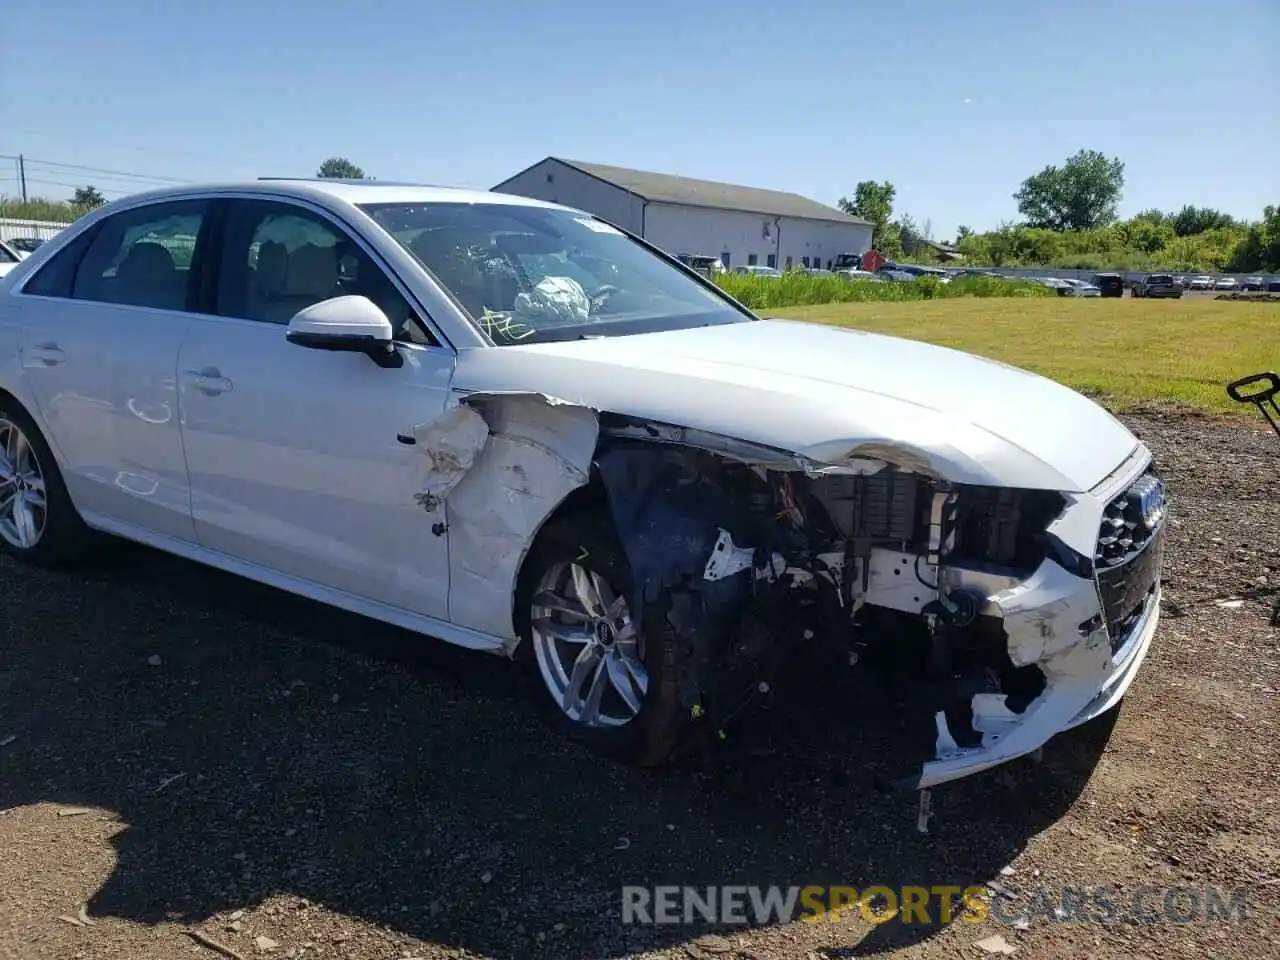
{"x": 1128, "y": 558}
{"x": 1124, "y": 533}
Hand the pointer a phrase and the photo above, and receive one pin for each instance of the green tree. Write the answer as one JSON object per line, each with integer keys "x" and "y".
{"x": 340, "y": 168}
{"x": 874, "y": 201}
{"x": 87, "y": 198}
{"x": 1080, "y": 195}
{"x": 1260, "y": 248}
{"x": 1190, "y": 220}
{"x": 1145, "y": 234}
{"x": 963, "y": 231}
{"x": 910, "y": 236}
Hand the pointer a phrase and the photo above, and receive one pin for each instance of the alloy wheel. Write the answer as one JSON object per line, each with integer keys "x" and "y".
{"x": 23, "y": 501}
{"x": 589, "y": 652}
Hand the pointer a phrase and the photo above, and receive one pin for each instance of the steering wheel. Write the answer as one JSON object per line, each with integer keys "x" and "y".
{"x": 602, "y": 294}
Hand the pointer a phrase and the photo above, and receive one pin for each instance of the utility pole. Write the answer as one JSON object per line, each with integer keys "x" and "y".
{"x": 22, "y": 176}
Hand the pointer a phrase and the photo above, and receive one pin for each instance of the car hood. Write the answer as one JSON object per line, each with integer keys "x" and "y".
{"x": 830, "y": 394}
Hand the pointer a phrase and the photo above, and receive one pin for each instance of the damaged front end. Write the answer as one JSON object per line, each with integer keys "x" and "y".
{"x": 1023, "y": 612}
{"x": 1019, "y": 612}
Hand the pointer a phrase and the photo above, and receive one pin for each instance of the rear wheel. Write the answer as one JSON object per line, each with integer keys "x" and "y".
{"x": 38, "y": 522}
{"x": 601, "y": 680}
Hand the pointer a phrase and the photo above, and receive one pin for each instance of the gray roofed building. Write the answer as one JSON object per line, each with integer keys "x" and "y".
{"x": 687, "y": 216}
{"x": 688, "y": 191}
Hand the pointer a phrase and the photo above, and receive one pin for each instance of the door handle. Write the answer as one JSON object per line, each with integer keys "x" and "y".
{"x": 209, "y": 381}
{"x": 47, "y": 354}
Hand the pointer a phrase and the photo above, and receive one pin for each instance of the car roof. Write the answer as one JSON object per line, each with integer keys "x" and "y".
{"x": 348, "y": 191}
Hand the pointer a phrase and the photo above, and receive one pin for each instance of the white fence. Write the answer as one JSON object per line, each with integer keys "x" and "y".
{"x": 43, "y": 229}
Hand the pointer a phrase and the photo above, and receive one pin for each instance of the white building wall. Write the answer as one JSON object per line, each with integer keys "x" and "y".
{"x": 681, "y": 229}
{"x": 555, "y": 182}
{"x": 703, "y": 230}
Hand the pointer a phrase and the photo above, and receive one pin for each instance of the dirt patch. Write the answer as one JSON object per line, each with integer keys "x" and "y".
{"x": 1250, "y": 297}
{"x": 181, "y": 750}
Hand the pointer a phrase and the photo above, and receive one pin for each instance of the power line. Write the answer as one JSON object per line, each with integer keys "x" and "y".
{"x": 151, "y": 151}
{"x": 73, "y": 186}
{"x": 125, "y": 174}
{"x": 110, "y": 180}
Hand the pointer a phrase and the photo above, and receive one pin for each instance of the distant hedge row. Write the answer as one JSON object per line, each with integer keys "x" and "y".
{"x": 801, "y": 289}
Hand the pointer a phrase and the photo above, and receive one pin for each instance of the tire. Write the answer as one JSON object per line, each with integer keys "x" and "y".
{"x": 650, "y": 736}
{"x": 60, "y": 535}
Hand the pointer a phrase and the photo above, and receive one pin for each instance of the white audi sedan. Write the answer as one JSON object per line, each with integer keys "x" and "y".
{"x": 515, "y": 427}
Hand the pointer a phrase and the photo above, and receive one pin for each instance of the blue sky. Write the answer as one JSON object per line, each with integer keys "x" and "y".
{"x": 955, "y": 103}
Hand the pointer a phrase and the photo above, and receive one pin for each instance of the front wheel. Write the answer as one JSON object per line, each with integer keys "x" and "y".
{"x": 602, "y": 680}
{"x": 38, "y": 522}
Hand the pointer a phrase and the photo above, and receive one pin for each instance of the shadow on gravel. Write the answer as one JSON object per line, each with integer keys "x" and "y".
{"x": 279, "y": 746}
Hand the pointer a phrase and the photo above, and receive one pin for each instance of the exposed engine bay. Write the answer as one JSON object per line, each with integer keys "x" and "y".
{"x": 849, "y": 561}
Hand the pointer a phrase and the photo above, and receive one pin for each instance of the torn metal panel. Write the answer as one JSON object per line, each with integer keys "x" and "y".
{"x": 449, "y": 445}
{"x": 727, "y": 559}
{"x": 538, "y": 452}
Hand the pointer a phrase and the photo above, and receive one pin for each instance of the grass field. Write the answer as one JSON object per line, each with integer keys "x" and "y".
{"x": 1130, "y": 353}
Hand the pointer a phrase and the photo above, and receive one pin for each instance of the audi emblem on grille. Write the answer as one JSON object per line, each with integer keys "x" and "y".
{"x": 1149, "y": 493}
{"x": 1131, "y": 520}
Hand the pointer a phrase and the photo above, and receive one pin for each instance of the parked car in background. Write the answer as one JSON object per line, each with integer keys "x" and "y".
{"x": 1226, "y": 283}
{"x": 1251, "y": 283}
{"x": 968, "y": 272}
{"x": 26, "y": 245}
{"x": 754, "y": 270}
{"x": 1081, "y": 289}
{"x": 920, "y": 270}
{"x": 1200, "y": 283}
{"x": 1158, "y": 286}
{"x": 1060, "y": 287}
{"x": 860, "y": 275}
{"x": 1273, "y": 285}
{"x": 9, "y": 258}
{"x": 1109, "y": 284}
{"x": 477, "y": 417}
{"x": 706, "y": 265}
{"x": 897, "y": 276}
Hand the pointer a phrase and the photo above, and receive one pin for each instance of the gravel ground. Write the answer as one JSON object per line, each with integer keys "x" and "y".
{"x": 184, "y": 752}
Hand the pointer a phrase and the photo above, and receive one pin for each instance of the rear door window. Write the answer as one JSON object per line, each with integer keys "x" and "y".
{"x": 142, "y": 257}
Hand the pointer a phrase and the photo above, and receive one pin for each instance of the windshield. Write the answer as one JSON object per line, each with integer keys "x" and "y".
{"x": 531, "y": 274}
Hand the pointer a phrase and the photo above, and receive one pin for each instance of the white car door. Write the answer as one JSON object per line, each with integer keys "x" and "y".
{"x": 295, "y": 454}
{"x": 103, "y": 321}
